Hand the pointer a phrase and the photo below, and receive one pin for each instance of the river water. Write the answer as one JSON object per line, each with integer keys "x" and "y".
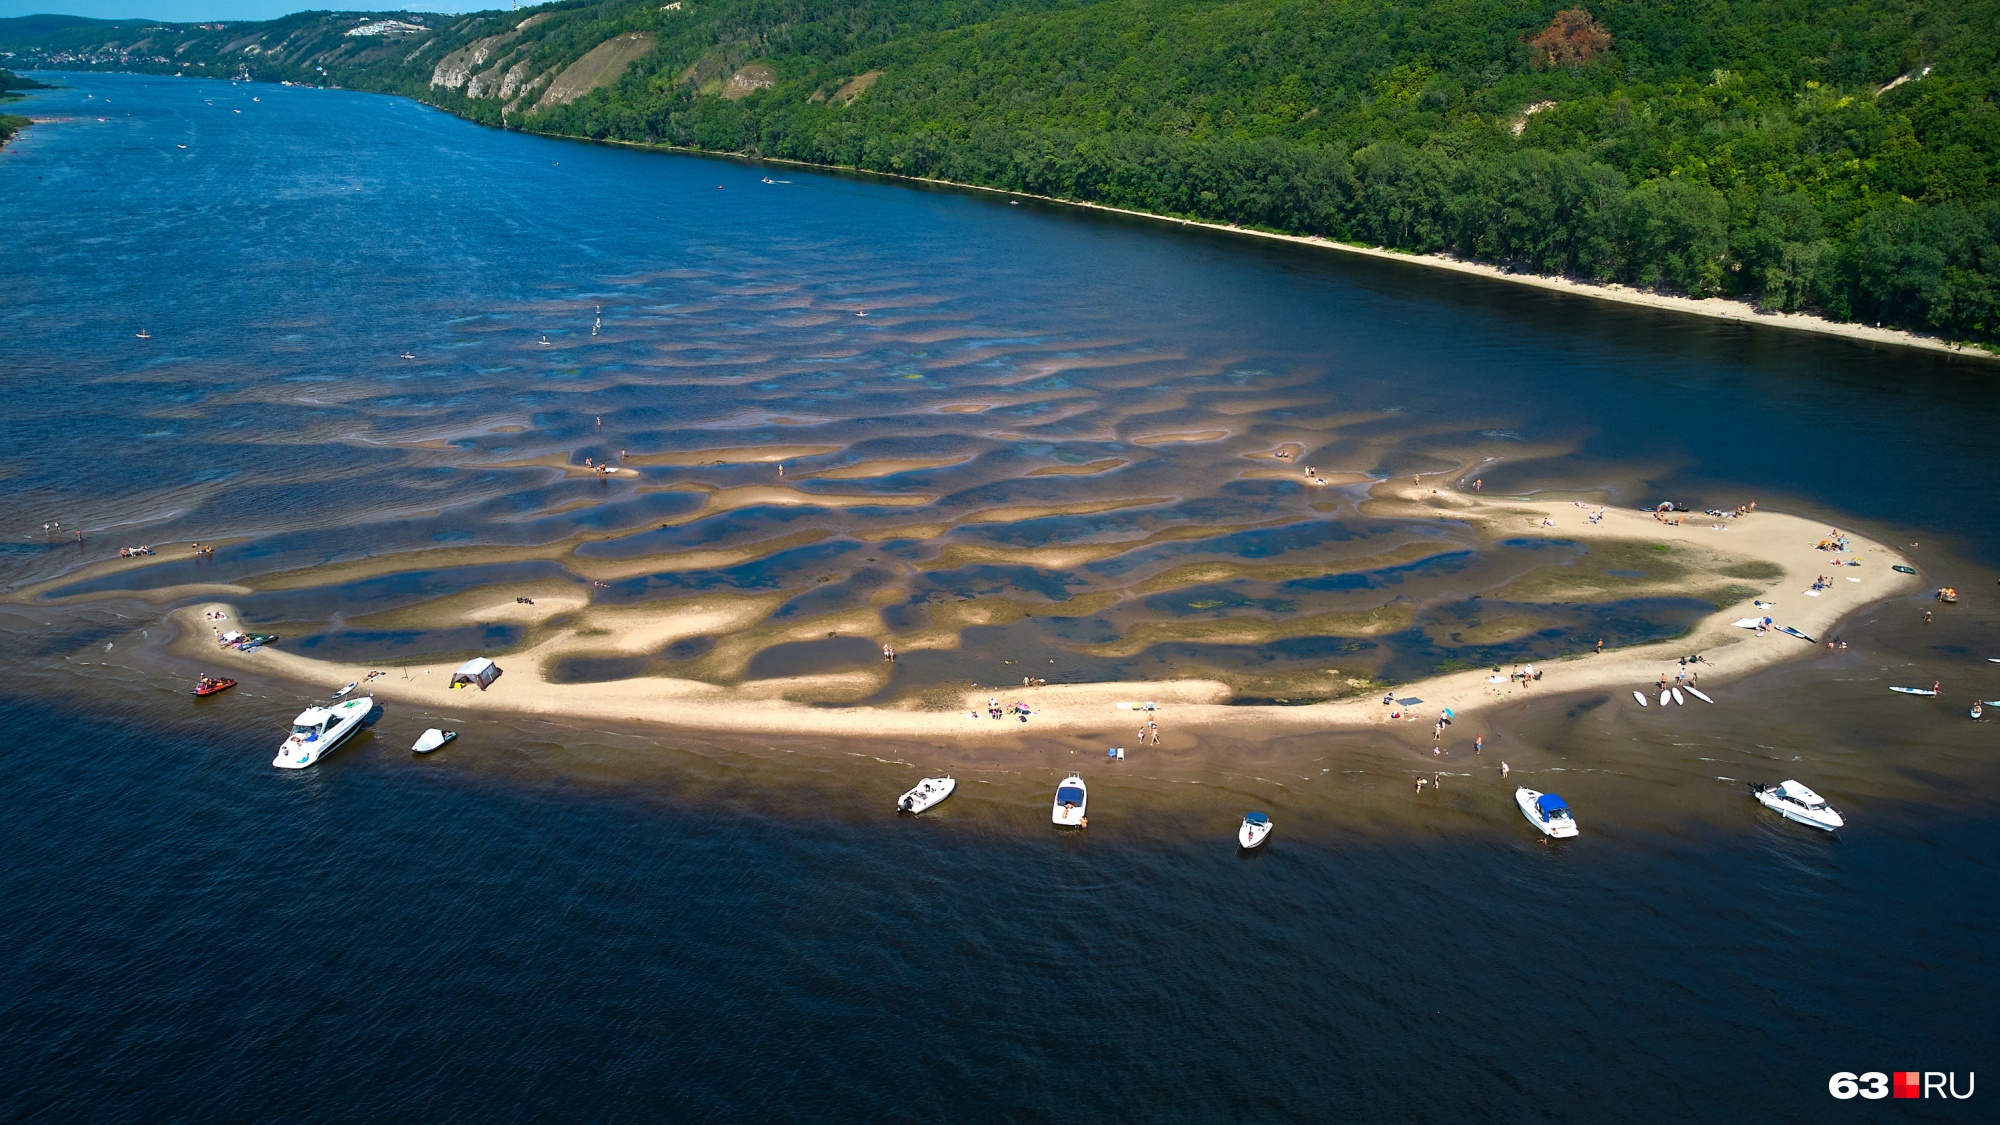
{"x": 564, "y": 920}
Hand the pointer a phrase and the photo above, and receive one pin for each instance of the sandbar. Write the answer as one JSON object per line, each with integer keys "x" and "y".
{"x": 800, "y": 705}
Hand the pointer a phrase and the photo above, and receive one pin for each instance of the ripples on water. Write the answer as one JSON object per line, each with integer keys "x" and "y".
{"x": 1043, "y": 413}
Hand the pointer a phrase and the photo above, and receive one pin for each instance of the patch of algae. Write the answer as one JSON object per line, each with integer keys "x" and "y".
{"x": 1258, "y": 630}
{"x": 1657, "y": 570}
{"x": 1221, "y": 570}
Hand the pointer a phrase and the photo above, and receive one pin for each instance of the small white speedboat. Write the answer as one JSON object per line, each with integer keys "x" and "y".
{"x": 432, "y": 739}
{"x": 1072, "y": 801}
{"x": 1547, "y": 812}
{"x": 928, "y": 792}
{"x": 1255, "y": 830}
{"x": 319, "y": 730}
{"x": 1794, "y": 801}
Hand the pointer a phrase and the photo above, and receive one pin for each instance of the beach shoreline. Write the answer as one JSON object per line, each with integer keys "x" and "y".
{"x": 1782, "y": 543}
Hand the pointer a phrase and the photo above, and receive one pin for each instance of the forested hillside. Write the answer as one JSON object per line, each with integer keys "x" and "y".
{"x": 10, "y": 86}
{"x": 1839, "y": 157}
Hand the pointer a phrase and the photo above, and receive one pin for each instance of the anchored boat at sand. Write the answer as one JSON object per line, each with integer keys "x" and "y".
{"x": 1072, "y": 801}
{"x": 1794, "y": 801}
{"x": 928, "y": 793}
{"x": 318, "y": 731}
{"x": 1547, "y": 812}
{"x": 1254, "y": 830}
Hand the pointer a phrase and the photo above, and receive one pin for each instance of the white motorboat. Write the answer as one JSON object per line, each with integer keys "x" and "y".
{"x": 318, "y": 730}
{"x": 928, "y": 792}
{"x": 1072, "y": 799}
{"x": 1794, "y": 801}
{"x": 1547, "y": 812}
{"x": 1255, "y": 829}
{"x": 433, "y": 739}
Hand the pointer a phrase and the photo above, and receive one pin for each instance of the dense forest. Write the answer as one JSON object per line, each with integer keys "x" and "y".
{"x": 1838, "y": 157}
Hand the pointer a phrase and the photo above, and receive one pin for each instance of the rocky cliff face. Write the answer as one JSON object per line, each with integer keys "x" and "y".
{"x": 462, "y": 67}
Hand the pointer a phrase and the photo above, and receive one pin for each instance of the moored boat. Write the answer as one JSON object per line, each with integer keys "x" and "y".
{"x": 1794, "y": 801}
{"x": 1071, "y": 804}
{"x": 318, "y": 731}
{"x": 1256, "y": 827}
{"x": 927, "y": 793}
{"x": 1547, "y": 812}
{"x": 432, "y": 739}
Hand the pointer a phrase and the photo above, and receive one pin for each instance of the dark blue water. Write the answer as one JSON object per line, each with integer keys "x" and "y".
{"x": 569, "y": 922}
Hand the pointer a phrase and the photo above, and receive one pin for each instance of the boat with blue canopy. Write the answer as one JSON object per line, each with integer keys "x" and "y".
{"x": 1072, "y": 799}
{"x": 1256, "y": 826}
{"x": 1547, "y": 812}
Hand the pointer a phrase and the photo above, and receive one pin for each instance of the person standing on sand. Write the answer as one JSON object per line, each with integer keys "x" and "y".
{"x": 781, "y": 470}
{"x": 1154, "y": 729}
{"x": 1600, "y": 646}
{"x": 1505, "y": 769}
{"x": 1478, "y": 744}
{"x": 1421, "y": 782}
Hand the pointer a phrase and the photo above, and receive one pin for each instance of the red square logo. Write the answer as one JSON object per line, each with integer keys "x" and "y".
{"x": 1909, "y": 1084}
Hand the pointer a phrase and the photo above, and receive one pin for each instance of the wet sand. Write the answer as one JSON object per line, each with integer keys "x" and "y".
{"x": 1716, "y": 551}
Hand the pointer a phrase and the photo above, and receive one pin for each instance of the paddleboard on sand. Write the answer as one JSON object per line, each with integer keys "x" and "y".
{"x": 345, "y": 690}
{"x": 1796, "y": 633}
{"x": 1914, "y": 690}
{"x": 1699, "y": 694}
{"x": 1640, "y": 698}
{"x": 1679, "y": 699}
{"x": 1904, "y": 569}
{"x": 1664, "y": 696}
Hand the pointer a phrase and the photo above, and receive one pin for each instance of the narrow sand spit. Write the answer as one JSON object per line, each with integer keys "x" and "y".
{"x": 1180, "y": 438}
{"x": 735, "y": 455}
{"x": 1087, "y": 469}
{"x": 890, "y": 466}
{"x": 1786, "y": 542}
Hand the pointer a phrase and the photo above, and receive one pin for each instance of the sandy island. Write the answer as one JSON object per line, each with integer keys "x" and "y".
{"x": 1785, "y": 544}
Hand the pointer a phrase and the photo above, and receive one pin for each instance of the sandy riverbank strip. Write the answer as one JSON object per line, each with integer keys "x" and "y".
{"x": 1786, "y": 543}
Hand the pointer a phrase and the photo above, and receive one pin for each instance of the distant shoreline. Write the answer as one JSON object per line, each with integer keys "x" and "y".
{"x": 1713, "y": 308}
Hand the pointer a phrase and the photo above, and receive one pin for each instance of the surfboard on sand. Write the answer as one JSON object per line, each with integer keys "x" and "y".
{"x": 1699, "y": 694}
{"x": 1914, "y": 690}
{"x": 1664, "y": 696}
{"x": 1796, "y": 633}
{"x": 1678, "y": 699}
{"x": 1640, "y": 698}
